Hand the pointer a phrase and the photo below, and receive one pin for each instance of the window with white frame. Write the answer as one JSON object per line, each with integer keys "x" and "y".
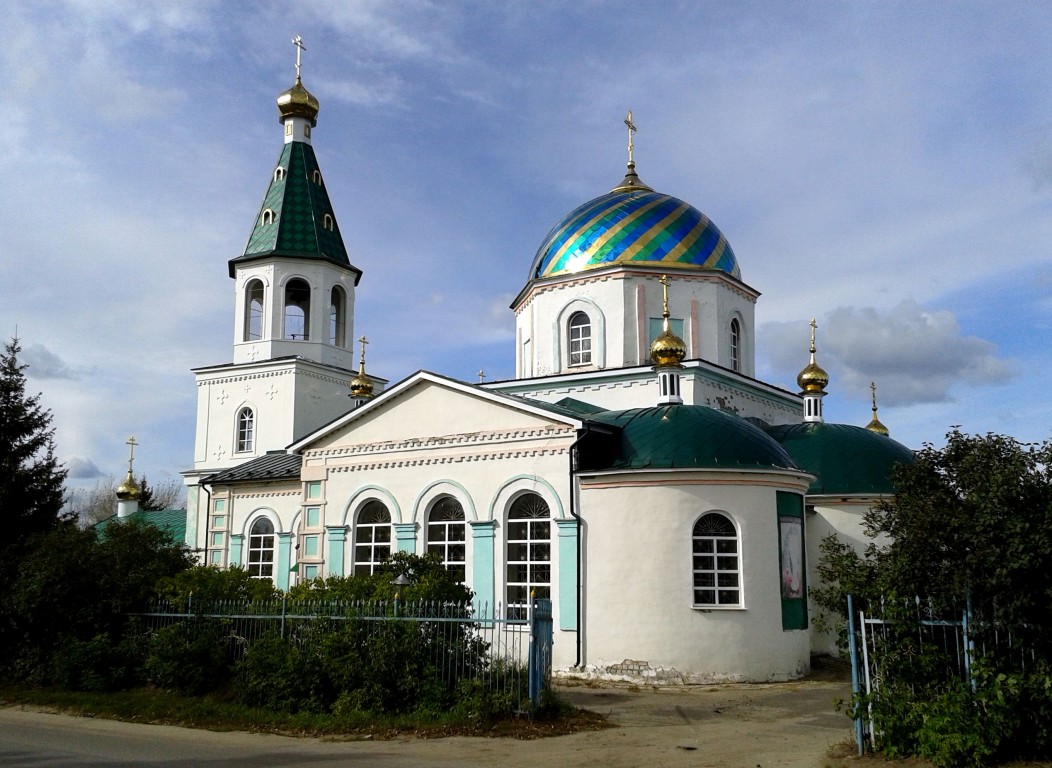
{"x": 528, "y": 571}
{"x": 579, "y": 332}
{"x": 736, "y": 345}
{"x": 246, "y": 430}
{"x": 297, "y": 310}
{"x": 253, "y": 311}
{"x": 372, "y": 537}
{"x": 261, "y": 549}
{"x": 446, "y": 535}
{"x": 717, "y": 566}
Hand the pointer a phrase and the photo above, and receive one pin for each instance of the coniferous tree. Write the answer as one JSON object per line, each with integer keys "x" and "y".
{"x": 31, "y": 477}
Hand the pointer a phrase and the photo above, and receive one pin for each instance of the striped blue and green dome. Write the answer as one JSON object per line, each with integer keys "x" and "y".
{"x": 634, "y": 226}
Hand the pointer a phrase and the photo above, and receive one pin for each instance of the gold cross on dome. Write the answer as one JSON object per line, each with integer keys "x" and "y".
{"x": 631, "y": 130}
{"x": 814, "y": 325}
{"x": 664, "y": 287}
{"x": 482, "y": 375}
{"x": 873, "y": 389}
{"x": 131, "y": 451}
{"x": 300, "y": 48}
{"x": 363, "y": 341}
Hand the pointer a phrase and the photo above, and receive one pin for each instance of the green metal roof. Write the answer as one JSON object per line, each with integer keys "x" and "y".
{"x": 299, "y": 203}
{"x": 271, "y": 466}
{"x": 691, "y": 436}
{"x": 171, "y": 520}
{"x": 848, "y": 460}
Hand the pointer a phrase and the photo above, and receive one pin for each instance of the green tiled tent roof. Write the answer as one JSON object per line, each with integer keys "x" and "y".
{"x": 691, "y": 436}
{"x": 848, "y": 460}
{"x": 171, "y": 520}
{"x": 299, "y": 202}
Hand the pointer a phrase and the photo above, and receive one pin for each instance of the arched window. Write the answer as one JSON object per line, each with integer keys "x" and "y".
{"x": 253, "y": 311}
{"x": 261, "y": 549}
{"x": 372, "y": 537}
{"x": 327, "y": 222}
{"x": 717, "y": 567}
{"x": 279, "y": 173}
{"x": 445, "y": 535}
{"x": 246, "y": 430}
{"x": 338, "y": 317}
{"x": 580, "y": 339}
{"x": 268, "y": 217}
{"x": 529, "y": 554}
{"x": 316, "y": 176}
{"x": 736, "y": 345}
{"x": 297, "y": 310}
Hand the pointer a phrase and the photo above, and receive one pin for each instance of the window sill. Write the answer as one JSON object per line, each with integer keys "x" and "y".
{"x": 708, "y": 608}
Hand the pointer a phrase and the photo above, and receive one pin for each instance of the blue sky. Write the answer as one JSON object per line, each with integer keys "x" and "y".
{"x": 885, "y": 167}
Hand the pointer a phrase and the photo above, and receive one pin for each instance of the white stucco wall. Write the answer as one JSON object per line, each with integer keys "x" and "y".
{"x": 639, "y": 571}
{"x": 844, "y": 518}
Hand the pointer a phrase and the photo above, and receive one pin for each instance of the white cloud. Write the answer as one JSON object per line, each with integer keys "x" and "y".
{"x": 914, "y": 355}
{"x": 81, "y": 468}
{"x": 45, "y": 364}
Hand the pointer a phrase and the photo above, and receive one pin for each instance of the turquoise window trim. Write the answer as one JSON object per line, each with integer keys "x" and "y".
{"x": 237, "y": 544}
{"x": 405, "y": 537}
{"x": 567, "y": 530}
{"x": 284, "y": 560}
{"x": 337, "y": 536}
{"x": 192, "y": 502}
{"x": 440, "y": 488}
{"x": 483, "y": 545}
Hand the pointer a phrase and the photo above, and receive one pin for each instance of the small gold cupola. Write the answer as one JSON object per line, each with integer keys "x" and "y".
{"x": 361, "y": 387}
{"x": 875, "y": 424}
{"x": 297, "y": 101}
{"x": 813, "y": 381}
{"x": 667, "y": 351}
{"x": 129, "y": 490}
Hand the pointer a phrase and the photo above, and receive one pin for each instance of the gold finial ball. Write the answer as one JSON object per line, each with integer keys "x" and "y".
{"x": 297, "y": 101}
{"x": 129, "y": 489}
{"x": 668, "y": 350}
{"x": 813, "y": 378}
{"x": 361, "y": 387}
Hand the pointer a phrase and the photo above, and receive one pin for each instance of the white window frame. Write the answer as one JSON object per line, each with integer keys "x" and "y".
{"x": 527, "y": 554}
{"x": 262, "y": 555}
{"x": 716, "y": 562}
{"x": 245, "y": 424}
{"x": 579, "y": 339}
{"x": 373, "y": 537}
{"x": 446, "y": 535}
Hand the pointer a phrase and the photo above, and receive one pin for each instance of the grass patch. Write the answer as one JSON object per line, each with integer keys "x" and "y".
{"x": 219, "y": 712}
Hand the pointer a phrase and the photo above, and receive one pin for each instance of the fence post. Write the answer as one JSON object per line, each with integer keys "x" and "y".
{"x": 540, "y": 652}
{"x": 852, "y": 644}
{"x": 284, "y": 600}
{"x": 969, "y": 644}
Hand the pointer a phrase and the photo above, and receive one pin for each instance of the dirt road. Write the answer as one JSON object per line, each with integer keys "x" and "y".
{"x": 785, "y": 724}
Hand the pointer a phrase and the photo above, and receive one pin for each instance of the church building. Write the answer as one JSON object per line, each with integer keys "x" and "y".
{"x": 634, "y": 471}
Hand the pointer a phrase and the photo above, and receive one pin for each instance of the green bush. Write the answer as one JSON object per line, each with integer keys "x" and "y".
{"x": 190, "y": 657}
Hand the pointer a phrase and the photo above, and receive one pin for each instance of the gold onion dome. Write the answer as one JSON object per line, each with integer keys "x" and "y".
{"x": 668, "y": 349}
{"x": 129, "y": 489}
{"x": 360, "y": 386}
{"x": 813, "y": 378}
{"x": 297, "y": 101}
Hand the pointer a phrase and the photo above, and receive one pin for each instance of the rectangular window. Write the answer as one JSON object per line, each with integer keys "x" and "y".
{"x": 310, "y": 546}
{"x": 217, "y": 539}
{"x": 220, "y": 505}
{"x": 657, "y": 325}
{"x": 313, "y": 517}
{"x": 310, "y": 572}
{"x": 219, "y": 521}
{"x": 215, "y": 557}
{"x": 314, "y": 490}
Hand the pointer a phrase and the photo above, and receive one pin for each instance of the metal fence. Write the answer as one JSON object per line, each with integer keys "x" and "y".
{"x": 951, "y": 643}
{"x": 510, "y": 656}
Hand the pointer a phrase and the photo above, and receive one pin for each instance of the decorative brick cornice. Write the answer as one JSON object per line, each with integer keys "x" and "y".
{"x": 441, "y": 441}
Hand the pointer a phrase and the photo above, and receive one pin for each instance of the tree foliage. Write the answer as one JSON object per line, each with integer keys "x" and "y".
{"x": 31, "y": 478}
{"x": 974, "y": 516}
